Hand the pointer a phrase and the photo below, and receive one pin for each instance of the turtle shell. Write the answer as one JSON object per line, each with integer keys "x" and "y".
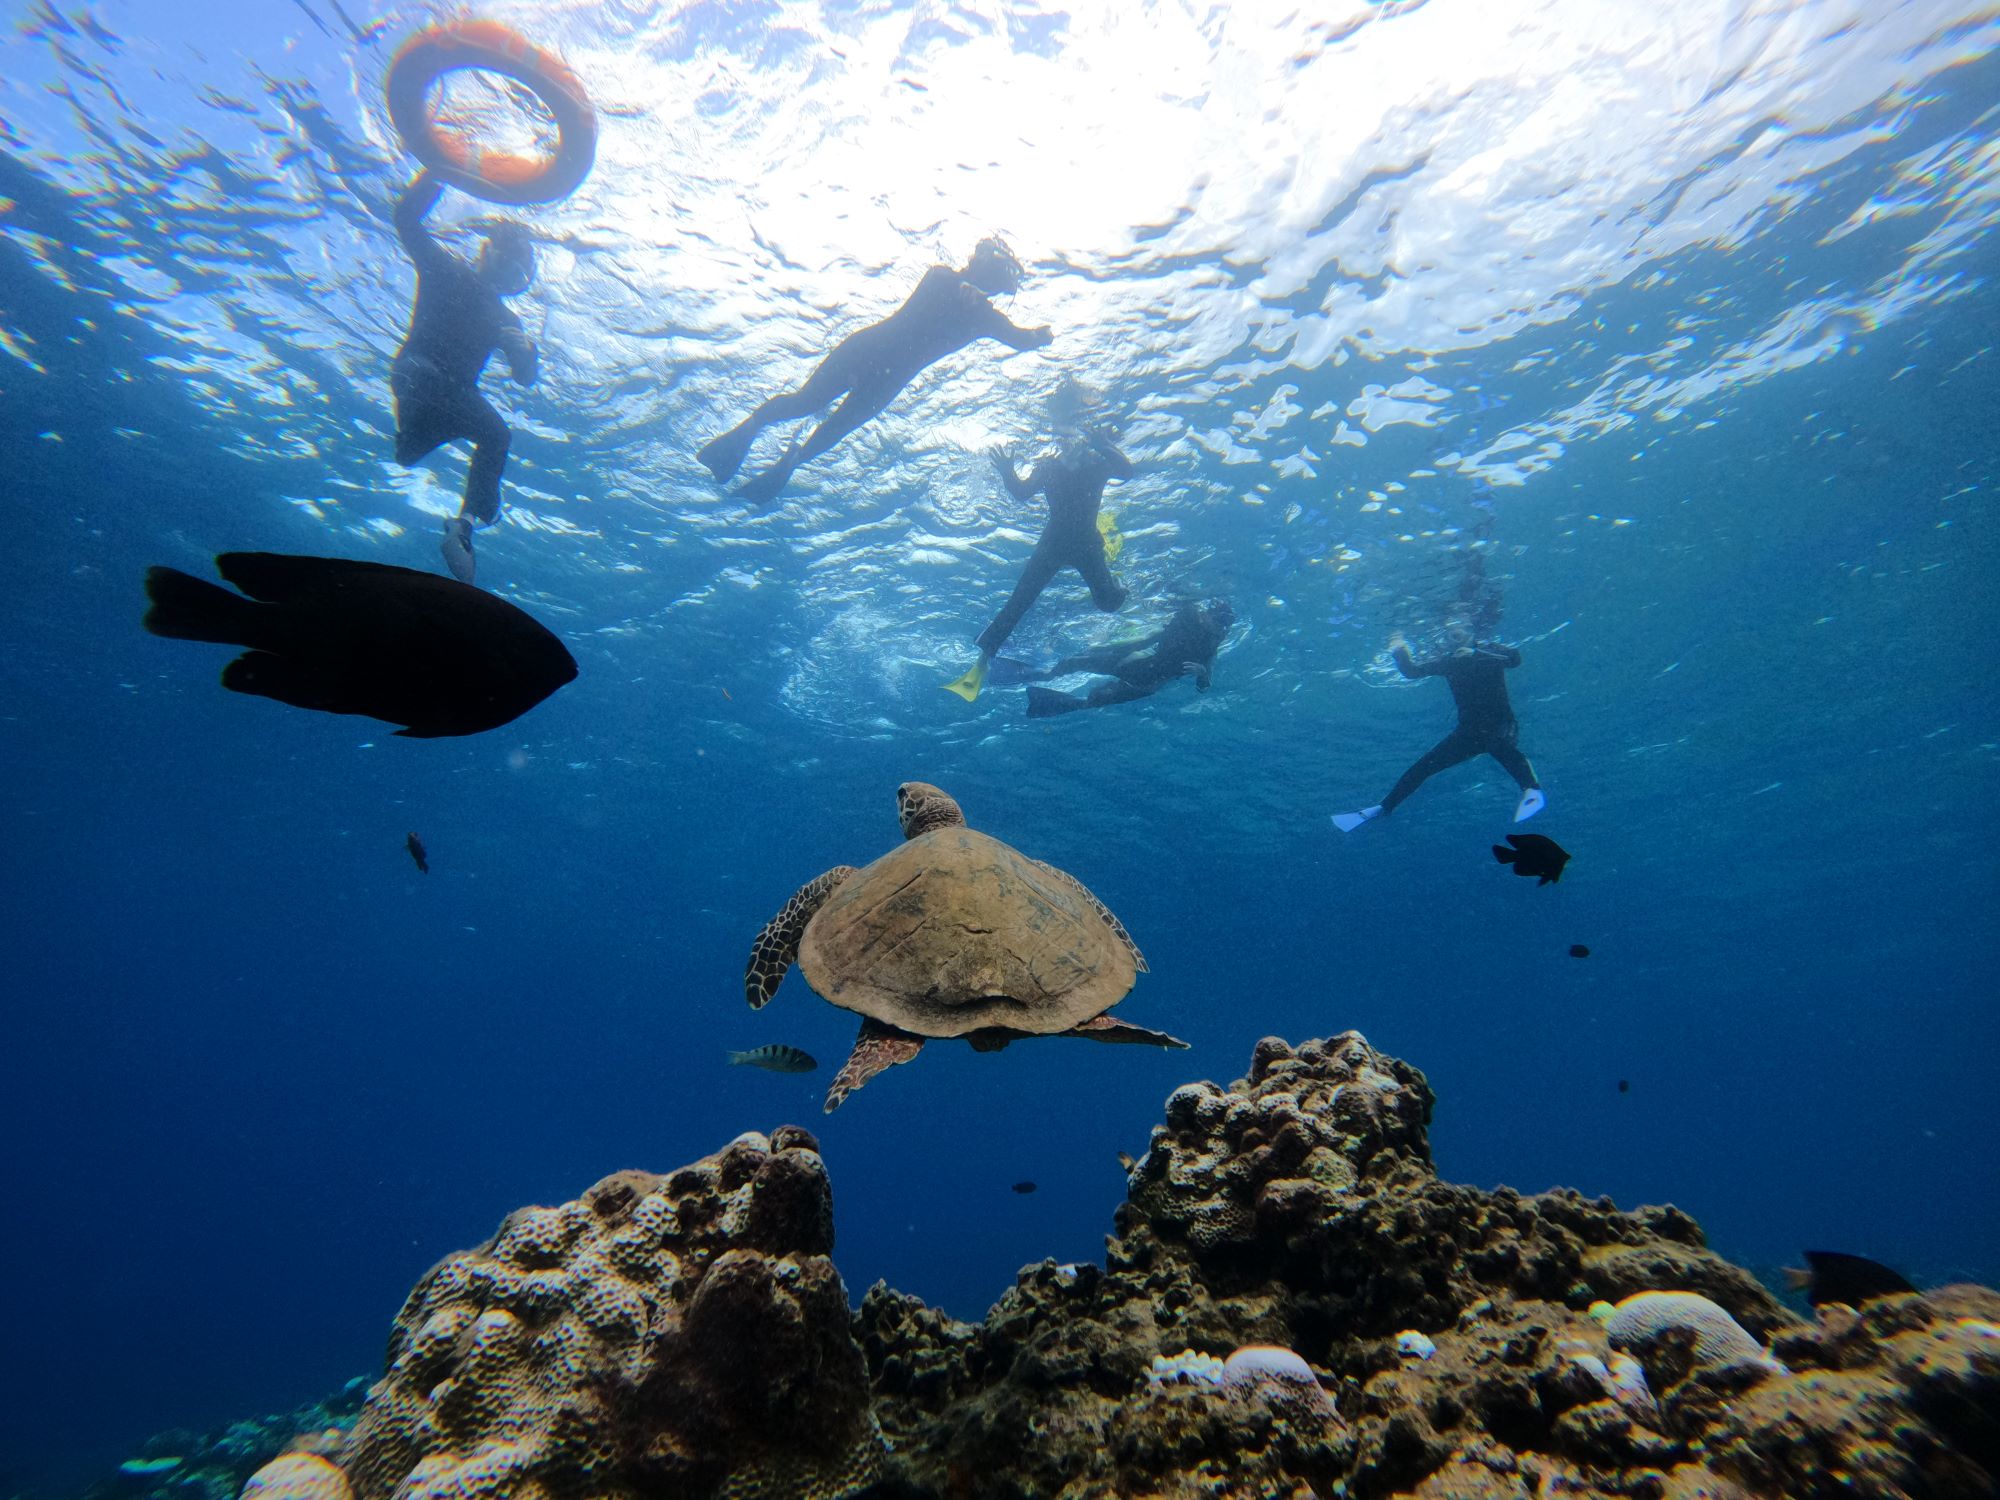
{"x": 954, "y": 931}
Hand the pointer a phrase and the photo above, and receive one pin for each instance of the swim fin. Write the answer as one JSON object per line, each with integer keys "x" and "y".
{"x": 1532, "y": 801}
{"x": 1114, "y": 539}
{"x": 457, "y": 549}
{"x": 1348, "y": 822}
{"x": 723, "y": 456}
{"x": 968, "y": 686}
{"x": 1046, "y": 703}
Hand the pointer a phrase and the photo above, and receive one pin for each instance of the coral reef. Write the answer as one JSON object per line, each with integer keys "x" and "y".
{"x": 1449, "y": 1329}
{"x": 182, "y": 1465}
{"x": 682, "y": 1335}
{"x": 1292, "y": 1305}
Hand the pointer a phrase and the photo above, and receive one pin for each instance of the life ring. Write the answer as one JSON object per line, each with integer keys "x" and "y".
{"x": 498, "y": 177}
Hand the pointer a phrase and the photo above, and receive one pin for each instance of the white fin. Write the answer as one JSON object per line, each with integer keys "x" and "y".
{"x": 1348, "y": 822}
{"x": 457, "y": 548}
{"x": 1532, "y": 801}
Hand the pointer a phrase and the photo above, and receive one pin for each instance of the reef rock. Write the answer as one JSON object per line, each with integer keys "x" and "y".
{"x": 1292, "y": 1306}
{"x": 684, "y": 1335}
{"x": 1449, "y": 1330}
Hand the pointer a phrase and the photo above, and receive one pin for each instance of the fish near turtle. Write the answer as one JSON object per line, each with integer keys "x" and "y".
{"x": 951, "y": 934}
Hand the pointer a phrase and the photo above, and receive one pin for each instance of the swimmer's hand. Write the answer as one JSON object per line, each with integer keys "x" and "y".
{"x": 524, "y": 361}
{"x": 1038, "y": 338}
{"x": 1200, "y": 674}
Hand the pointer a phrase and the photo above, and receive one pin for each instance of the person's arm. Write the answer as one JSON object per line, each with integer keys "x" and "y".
{"x": 1021, "y": 489}
{"x": 1508, "y": 656}
{"x": 988, "y": 322}
{"x": 418, "y": 199}
{"x": 523, "y": 362}
{"x": 1120, "y": 465}
{"x": 1406, "y": 664}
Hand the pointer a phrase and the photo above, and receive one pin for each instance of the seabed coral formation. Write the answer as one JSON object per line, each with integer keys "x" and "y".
{"x": 1292, "y": 1305}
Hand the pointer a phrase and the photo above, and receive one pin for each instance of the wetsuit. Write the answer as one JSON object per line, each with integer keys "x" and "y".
{"x": 1074, "y": 482}
{"x": 457, "y": 324}
{"x": 1185, "y": 646}
{"x": 1486, "y": 724}
{"x": 944, "y": 314}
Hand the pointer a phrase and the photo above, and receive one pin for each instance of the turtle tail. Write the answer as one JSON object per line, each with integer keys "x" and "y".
{"x": 777, "y": 946}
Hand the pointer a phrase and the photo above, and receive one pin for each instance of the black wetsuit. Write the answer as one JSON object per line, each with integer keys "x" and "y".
{"x": 1486, "y": 724}
{"x": 1074, "y": 483}
{"x": 944, "y": 314}
{"x": 1185, "y": 646}
{"x": 457, "y": 324}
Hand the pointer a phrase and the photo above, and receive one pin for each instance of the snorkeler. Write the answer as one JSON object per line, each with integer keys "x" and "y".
{"x": 456, "y": 325}
{"x": 947, "y": 311}
{"x": 1184, "y": 647}
{"x": 1074, "y": 482}
{"x": 1486, "y": 726}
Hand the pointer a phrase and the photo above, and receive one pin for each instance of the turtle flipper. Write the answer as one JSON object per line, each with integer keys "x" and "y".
{"x": 1101, "y": 909}
{"x": 777, "y": 946}
{"x": 1105, "y": 1029}
{"x": 877, "y": 1047}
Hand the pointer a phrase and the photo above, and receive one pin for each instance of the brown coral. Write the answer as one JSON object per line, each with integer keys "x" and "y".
{"x": 681, "y": 1335}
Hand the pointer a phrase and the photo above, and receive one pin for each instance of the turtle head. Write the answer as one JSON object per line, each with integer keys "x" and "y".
{"x": 923, "y": 807}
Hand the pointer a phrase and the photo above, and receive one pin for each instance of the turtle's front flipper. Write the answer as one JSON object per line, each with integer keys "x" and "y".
{"x": 877, "y": 1047}
{"x": 777, "y": 946}
{"x": 1101, "y": 909}
{"x": 1104, "y": 1029}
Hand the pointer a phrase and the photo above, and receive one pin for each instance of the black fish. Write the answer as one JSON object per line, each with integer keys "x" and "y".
{"x": 1624, "y": 1085}
{"x": 1577, "y": 950}
{"x": 1533, "y": 854}
{"x": 774, "y": 1058}
{"x": 1024, "y": 1187}
{"x": 1852, "y": 1279}
{"x": 416, "y": 847}
{"x": 430, "y": 653}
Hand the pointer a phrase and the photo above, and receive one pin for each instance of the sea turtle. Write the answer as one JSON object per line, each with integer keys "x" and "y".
{"x": 952, "y": 934}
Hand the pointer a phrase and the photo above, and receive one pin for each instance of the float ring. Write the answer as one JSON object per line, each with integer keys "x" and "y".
{"x": 498, "y": 177}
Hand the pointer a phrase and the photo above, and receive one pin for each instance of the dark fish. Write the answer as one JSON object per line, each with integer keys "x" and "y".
{"x": 774, "y": 1058}
{"x": 1624, "y": 1085}
{"x": 1024, "y": 1187}
{"x": 1533, "y": 854}
{"x": 1852, "y": 1279}
{"x": 1577, "y": 950}
{"x": 416, "y": 847}
{"x": 435, "y": 655}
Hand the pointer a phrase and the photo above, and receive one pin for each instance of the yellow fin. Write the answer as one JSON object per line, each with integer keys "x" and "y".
{"x": 1114, "y": 539}
{"x": 968, "y": 686}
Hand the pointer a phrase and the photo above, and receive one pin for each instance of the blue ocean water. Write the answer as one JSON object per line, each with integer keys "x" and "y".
{"x": 1691, "y": 318}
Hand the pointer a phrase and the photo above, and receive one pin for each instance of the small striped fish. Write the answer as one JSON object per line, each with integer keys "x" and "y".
{"x": 776, "y": 1058}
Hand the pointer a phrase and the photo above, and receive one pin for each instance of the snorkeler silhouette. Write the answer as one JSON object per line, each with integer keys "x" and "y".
{"x": 456, "y": 325}
{"x": 1476, "y": 675}
{"x": 947, "y": 311}
{"x": 1184, "y": 647}
{"x": 1074, "y": 482}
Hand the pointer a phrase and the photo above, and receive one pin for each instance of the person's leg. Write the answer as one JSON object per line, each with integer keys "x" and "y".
{"x": 425, "y": 408}
{"x": 490, "y": 442}
{"x": 1119, "y": 691}
{"x": 1516, "y": 765}
{"x": 1104, "y": 660}
{"x": 1454, "y": 749}
{"x": 1106, "y": 592}
{"x": 837, "y": 373}
{"x": 1046, "y": 703}
{"x": 1041, "y": 567}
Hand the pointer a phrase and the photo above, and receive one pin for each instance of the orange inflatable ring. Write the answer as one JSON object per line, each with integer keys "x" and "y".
{"x": 494, "y": 176}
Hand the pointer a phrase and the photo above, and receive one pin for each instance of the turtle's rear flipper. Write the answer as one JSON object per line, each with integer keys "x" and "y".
{"x": 777, "y": 946}
{"x": 877, "y": 1047}
{"x": 1105, "y": 1029}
